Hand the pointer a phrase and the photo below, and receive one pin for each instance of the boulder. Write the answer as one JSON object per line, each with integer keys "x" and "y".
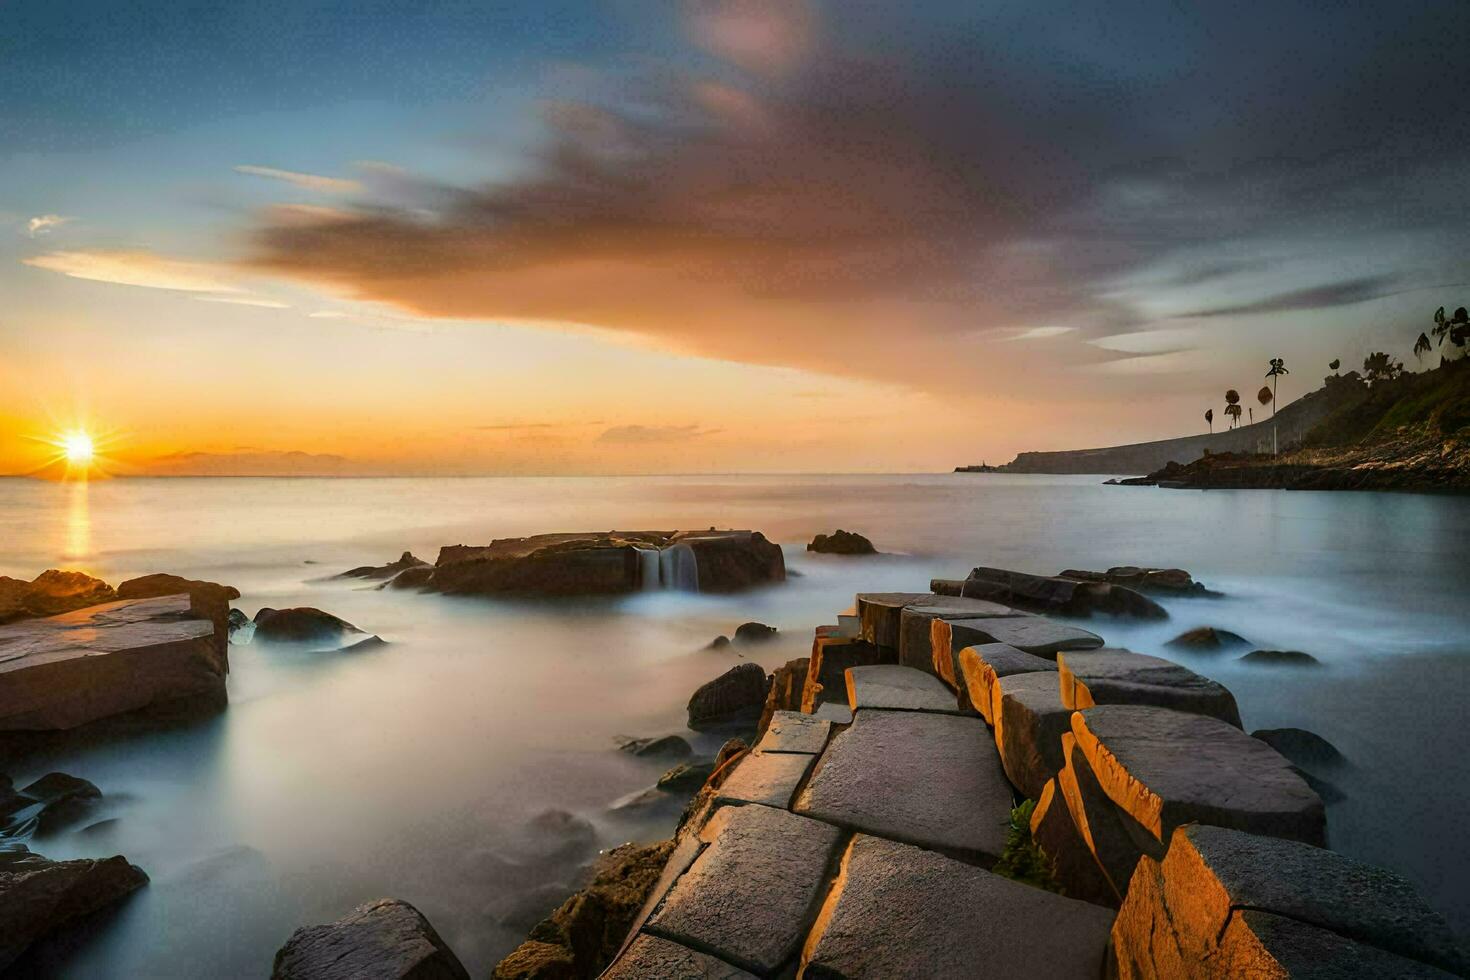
{"x": 792, "y": 731}
{"x": 841, "y": 542}
{"x": 664, "y": 747}
{"x": 51, "y": 593}
{"x": 981, "y": 666}
{"x": 1207, "y": 639}
{"x": 39, "y": 896}
{"x": 916, "y": 625}
{"x": 1307, "y": 749}
{"x": 826, "y": 679}
{"x": 413, "y": 577}
{"x": 1056, "y": 595}
{"x": 384, "y": 940}
{"x": 754, "y": 633}
{"x": 303, "y": 624}
{"x": 785, "y": 691}
{"x": 880, "y": 615}
{"x": 737, "y": 696}
{"x": 895, "y": 688}
{"x": 47, "y": 805}
{"x": 898, "y": 911}
{"x": 1030, "y": 634}
{"x": 1124, "y": 677}
{"x": 1166, "y": 768}
{"x": 1030, "y": 720}
{"x": 649, "y": 956}
{"x": 405, "y": 561}
{"x": 94, "y": 663}
{"x": 236, "y": 621}
{"x": 209, "y": 600}
{"x": 732, "y": 561}
{"x": 1229, "y": 903}
{"x": 1281, "y": 658}
{"x": 768, "y": 778}
{"x": 1158, "y": 581}
{"x": 746, "y": 898}
{"x": 932, "y": 780}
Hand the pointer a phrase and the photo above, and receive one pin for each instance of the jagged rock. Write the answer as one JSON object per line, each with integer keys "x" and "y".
{"x": 754, "y": 633}
{"x": 664, "y": 747}
{"x": 746, "y": 897}
{"x": 784, "y": 692}
{"x": 39, "y": 896}
{"x": 94, "y": 663}
{"x": 1165, "y": 768}
{"x": 732, "y": 561}
{"x": 917, "y": 625}
{"x": 766, "y": 778}
{"x": 236, "y": 621}
{"x": 48, "y": 804}
{"x": 933, "y": 780}
{"x": 897, "y": 688}
{"x": 1072, "y": 863}
{"x": 1207, "y": 639}
{"x": 841, "y": 542}
{"x": 738, "y": 695}
{"x": 210, "y": 600}
{"x": 880, "y": 615}
{"x": 384, "y": 940}
{"x": 826, "y": 679}
{"x": 1307, "y": 749}
{"x": 1030, "y": 720}
{"x": 1159, "y": 581}
{"x": 898, "y": 911}
{"x": 1227, "y": 903}
{"x": 405, "y": 561}
{"x": 1114, "y": 839}
{"x": 792, "y": 731}
{"x": 303, "y": 624}
{"x": 650, "y": 957}
{"x": 981, "y": 666}
{"x": 1281, "y": 658}
{"x": 1043, "y": 594}
{"x": 51, "y": 593}
{"x": 364, "y": 645}
{"x": 1124, "y": 677}
{"x": 413, "y": 577}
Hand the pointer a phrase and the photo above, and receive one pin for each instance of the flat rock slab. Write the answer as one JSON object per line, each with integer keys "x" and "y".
{"x": 792, "y": 731}
{"x": 650, "y": 956}
{"x": 1030, "y": 720}
{"x": 929, "y": 779}
{"x": 1124, "y": 677}
{"x": 1165, "y": 768}
{"x": 1029, "y": 634}
{"x": 748, "y": 896}
{"x": 980, "y": 666}
{"x": 898, "y": 911}
{"x": 895, "y": 688}
{"x": 879, "y": 615}
{"x": 1268, "y": 907}
{"x": 917, "y": 624}
{"x": 383, "y": 940}
{"x": 836, "y": 713}
{"x": 106, "y": 660}
{"x": 769, "y": 778}
{"x": 830, "y": 659}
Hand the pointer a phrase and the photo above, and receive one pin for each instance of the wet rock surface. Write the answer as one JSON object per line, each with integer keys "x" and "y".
{"x": 1051, "y": 594}
{"x": 662, "y": 747}
{"x": 383, "y": 940}
{"x": 1307, "y": 749}
{"x": 1280, "y": 658}
{"x": 302, "y": 624}
{"x": 754, "y": 633}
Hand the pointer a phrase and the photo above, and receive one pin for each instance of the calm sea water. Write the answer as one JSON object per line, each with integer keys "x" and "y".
{"x": 335, "y": 779}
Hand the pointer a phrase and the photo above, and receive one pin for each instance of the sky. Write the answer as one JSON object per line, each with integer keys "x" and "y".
{"x": 676, "y": 236}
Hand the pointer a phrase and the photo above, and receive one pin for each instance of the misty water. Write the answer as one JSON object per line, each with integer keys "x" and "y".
{"x": 333, "y": 779}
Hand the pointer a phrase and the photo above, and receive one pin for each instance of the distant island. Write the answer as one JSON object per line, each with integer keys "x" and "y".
{"x": 982, "y": 468}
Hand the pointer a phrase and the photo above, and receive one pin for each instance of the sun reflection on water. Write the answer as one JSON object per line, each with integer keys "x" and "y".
{"x": 78, "y": 521}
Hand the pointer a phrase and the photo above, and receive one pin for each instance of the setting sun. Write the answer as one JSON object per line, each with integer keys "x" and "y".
{"x": 78, "y": 448}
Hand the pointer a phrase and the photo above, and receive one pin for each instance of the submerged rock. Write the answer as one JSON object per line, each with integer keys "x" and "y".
{"x": 384, "y": 940}
{"x": 686, "y": 777}
{"x": 736, "y": 696}
{"x": 1207, "y": 639}
{"x": 1051, "y": 594}
{"x": 47, "y": 805}
{"x": 405, "y": 561}
{"x": 1307, "y": 749}
{"x": 841, "y": 542}
{"x": 754, "y": 633}
{"x": 1281, "y": 658}
{"x": 302, "y": 624}
{"x": 39, "y": 896}
{"x": 665, "y": 747}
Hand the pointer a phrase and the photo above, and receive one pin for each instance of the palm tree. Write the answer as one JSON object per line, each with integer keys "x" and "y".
{"x": 1234, "y": 412}
{"x": 1422, "y": 346}
{"x": 1232, "y": 400}
{"x": 1278, "y": 368}
{"x": 1210, "y": 419}
{"x": 1456, "y": 326}
{"x": 1378, "y": 366}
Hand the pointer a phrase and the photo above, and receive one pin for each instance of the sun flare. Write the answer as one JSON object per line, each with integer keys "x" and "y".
{"x": 78, "y": 448}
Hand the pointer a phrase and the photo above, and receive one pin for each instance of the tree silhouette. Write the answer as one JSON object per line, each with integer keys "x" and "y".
{"x": 1378, "y": 366}
{"x": 1278, "y": 368}
{"x": 1422, "y": 346}
{"x": 1234, "y": 412}
{"x": 1456, "y": 327}
{"x": 1232, "y": 401}
{"x": 1265, "y": 396}
{"x": 1210, "y": 419}
{"x": 1333, "y": 365}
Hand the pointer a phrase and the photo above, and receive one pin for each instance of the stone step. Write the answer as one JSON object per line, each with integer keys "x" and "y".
{"x": 792, "y": 731}
{"x": 769, "y": 778}
{"x": 1030, "y": 720}
{"x": 1124, "y": 677}
{"x": 899, "y": 911}
{"x": 879, "y": 615}
{"x": 1030, "y": 634}
{"x": 895, "y": 688}
{"x": 650, "y": 956}
{"x": 916, "y": 623}
{"x": 980, "y": 666}
{"x": 830, "y": 659}
{"x": 929, "y": 779}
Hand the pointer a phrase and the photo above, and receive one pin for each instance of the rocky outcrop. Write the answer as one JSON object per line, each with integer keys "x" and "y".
{"x": 207, "y": 599}
{"x": 39, "y": 896}
{"x": 1281, "y": 658}
{"x": 302, "y": 624}
{"x": 46, "y": 805}
{"x": 51, "y": 593}
{"x": 1207, "y": 639}
{"x": 1154, "y": 581}
{"x": 383, "y": 940}
{"x": 102, "y": 661}
{"x": 390, "y": 570}
{"x": 735, "y": 697}
{"x": 841, "y": 542}
{"x": 784, "y": 693}
{"x": 1051, "y": 594}
{"x": 1124, "y": 677}
{"x": 826, "y": 678}
{"x": 662, "y": 747}
{"x": 752, "y": 633}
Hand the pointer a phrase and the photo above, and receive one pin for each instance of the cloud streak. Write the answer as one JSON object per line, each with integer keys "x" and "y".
{"x": 310, "y": 182}
{"x": 139, "y": 268}
{"x": 630, "y": 435}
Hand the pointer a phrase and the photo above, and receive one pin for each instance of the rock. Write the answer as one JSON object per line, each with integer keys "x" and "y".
{"x": 784, "y": 693}
{"x": 836, "y": 713}
{"x": 236, "y": 621}
{"x": 52, "y": 802}
{"x": 1206, "y": 639}
{"x": 405, "y": 561}
{"x": 1165, "y": 768}
{"x": 39, "y": 896}
{"x": 897, "y": 688}
{"x": 94, "y": 663}
{"x": 1158, "y": 581}
{"x": 754, "y": 633}
{"x": 981, "y": 666}
{"x": 1030, "y": 720}
{"x": 649, "y": 957}
{"x": 527, "y": 908}
{"x": 1258, "y": 906}
{"x": 686, "y": 777}
{"x": 1281, "y": 658}
{"x": 732, "y": 561}
{"x": 1307, "y": 749}
{"x": 383, "y": 940}
{"x": 208, "y": 600}
{"x": 792, "y": 731}
{"x": 842, "y": 542}
{"x": 1072, "y": 863}
{"x": 584, "y": 934}
{"x": 916, "y": 625}
{"x": 1114, "y": 840}
{"x": 665, "y": 747}
{"x": 1029, "y": 634}
{"x": 12, "y": 599}
{"x": 747, "y": 896}
{"x": 303, "y": 624}
{"x": 826, "y": 679}
{"x": 52, "y": 593}
{"x": 766, "y": 778}
{"x": 880, "y": 615}
{"x": 1124, "y": 677}
{"x": 1061, "y": 596}
{"x": 414, "y": 577}
{"x": 738, "y": 695}
{"x": 928, "y": 779}
{"x": 720, "y": 642}
{"x": 363, "y": 646}
{"x": 554, "y": 837}
{"x": 898, "y": 911}
{"x": 702, "y": 805}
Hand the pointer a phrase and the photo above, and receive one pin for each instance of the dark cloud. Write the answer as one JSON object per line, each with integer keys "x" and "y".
{"x": 866, "y": 192}
{"x": 1343, "y": 293}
